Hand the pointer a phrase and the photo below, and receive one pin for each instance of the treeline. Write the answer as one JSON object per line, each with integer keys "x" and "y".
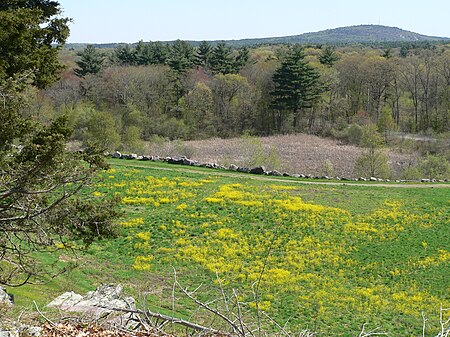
{"x": 133, "y": 93}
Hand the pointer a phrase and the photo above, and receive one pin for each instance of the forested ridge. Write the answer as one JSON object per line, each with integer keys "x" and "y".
{"x": 181, "y": 91}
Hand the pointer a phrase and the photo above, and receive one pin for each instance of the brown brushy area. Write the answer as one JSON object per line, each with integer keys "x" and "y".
{"x": 298, "y": 153}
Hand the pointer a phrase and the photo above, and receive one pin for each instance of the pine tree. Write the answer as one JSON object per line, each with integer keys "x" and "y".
{"x": 296, "y": 84}
{"x": 181, "y": 56}
{"x": 90, "y": 62}
{"x": 143, "y": 53}
{"x": 40, "y": 181}
{"x": 241, "y": 59}
{"x": 124, "y": 55}
{"x": 221, "y": 60}
{"x": 203, "y": 54}
{"x": 328, "y": 56}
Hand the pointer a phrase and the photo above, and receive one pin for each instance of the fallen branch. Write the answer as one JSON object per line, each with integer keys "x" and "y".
{"x": 165, "y": 318}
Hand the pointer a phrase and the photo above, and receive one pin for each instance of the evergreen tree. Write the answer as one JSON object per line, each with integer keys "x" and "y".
{"x": 27, "y": 31}
{"x": 241, "y": 59}
{"x": 202, "y": 54}
{"x": 143, "y": 53}
{"x": 328, "y": 56}
{"x": 90, "y": 62}
{"x": 159, "y": 52}
{"x": 296, "y": 84}
{"x": 181, "y": 56}
{"x": 124, "y": 55}
{"x": 40, "y": 180}
{"x": 221, "y": 60}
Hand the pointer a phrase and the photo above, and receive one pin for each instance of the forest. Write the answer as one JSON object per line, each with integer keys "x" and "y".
{"x": 122, "y": 96}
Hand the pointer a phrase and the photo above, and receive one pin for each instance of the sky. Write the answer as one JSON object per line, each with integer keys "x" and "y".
{"x": 107, "y": 21}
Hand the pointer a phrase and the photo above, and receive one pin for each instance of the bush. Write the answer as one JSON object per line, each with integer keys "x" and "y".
{"x": 412, "y": 173}
{"x": 349, "y": 135}
{"x": 354, "y": 133}
{"x": 373, "y": 163}
{"x": 328, "y": 169}
{"x": 100, "y": 131}
{"x": 435, "y": 167}
{"x": 256, "y": 155}
{"x": 131, "y": 139}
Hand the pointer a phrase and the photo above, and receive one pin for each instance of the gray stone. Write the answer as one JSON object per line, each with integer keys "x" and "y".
{"x": 187, "y": 161}
{"x": 233, "y": 167}
{"x": 66, "y": 301}
{"x": 175, "y": 160}
{"x": 130, "y": 156}
{"x": 102, "y": 300}
{"x": 5, "y": 297}
{"x": 258, "y": 170}
{"x": 117, "y": 155}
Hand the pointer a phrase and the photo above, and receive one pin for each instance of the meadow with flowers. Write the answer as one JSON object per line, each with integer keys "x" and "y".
{"x": 326, "y": 258}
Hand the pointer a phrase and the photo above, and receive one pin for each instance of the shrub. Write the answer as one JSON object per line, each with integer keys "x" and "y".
{"x": 354, "y": 133}
{"x": 373, "y": 163}
{"x": 435, "y": 167}
{"x": 100, "y": 131}
{"x": 328, "y": 169}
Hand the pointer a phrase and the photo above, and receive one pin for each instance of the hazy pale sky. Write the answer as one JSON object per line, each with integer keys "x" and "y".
{"x": 101, "y": 21}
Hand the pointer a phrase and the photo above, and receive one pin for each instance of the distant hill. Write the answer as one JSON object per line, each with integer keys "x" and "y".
{"x": 342, "y": 35}
{"x": 347, "y": 35}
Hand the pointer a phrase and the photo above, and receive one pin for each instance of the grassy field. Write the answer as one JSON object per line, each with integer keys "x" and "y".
{"x": 323, "y": 257}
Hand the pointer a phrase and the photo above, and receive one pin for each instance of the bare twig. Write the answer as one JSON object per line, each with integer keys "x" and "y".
{"x": 282, "y": 329}
{"x": 424, "y": 320}
{"x": 40, "y": 313}
{"x": 165, "y": 318}
{"x": 214, "y": 311}
{"x": 373, "y": 332}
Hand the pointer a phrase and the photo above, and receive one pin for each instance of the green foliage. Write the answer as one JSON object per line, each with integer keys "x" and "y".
{"x": 40, "y": 182}
{"x": 132, "y": 140}
{"x": 181, "y": 56}
{"x": 257, "y": 155}
{"x": 328, "y": 169}
{"x": 100, "y": 131}
{"x": 354, "y": 134}
{"x": 221, "y": 59}
{"x": 198, "y": 111}
{"x": 90, "y": 62}
{"x": 351, "y": 134}
{"x": 370, "y": 138}
{"x": 386, "y": 122}
{"x": 203, "y": 54}
{"x": 373, "y": 164}
{"x": 124, "y": 55}
{"x": 296, "y": 84}
{"x": 28, "y": 30}
{"x": 412, "y": 173}
{"x": 435, "y": 167}
{"x": 328, "y": 56}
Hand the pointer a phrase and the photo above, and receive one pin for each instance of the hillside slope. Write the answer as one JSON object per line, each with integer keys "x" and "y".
{"x": 342, "y": 35}
{"x": 350, "y": 34}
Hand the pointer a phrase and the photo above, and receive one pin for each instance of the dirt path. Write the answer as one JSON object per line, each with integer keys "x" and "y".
{"x": 190, "y": 169}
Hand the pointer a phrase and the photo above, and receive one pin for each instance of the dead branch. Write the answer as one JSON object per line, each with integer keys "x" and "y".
{"x": 373, "y": 332}
{"x": 165, "y": 318}
{"x": 214, "y": 311}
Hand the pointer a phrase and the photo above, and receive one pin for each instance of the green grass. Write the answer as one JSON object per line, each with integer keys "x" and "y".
{"x": 325, "y": 257}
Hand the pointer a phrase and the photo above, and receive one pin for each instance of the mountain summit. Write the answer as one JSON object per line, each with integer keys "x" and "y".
{"x": 350, "y": 34}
